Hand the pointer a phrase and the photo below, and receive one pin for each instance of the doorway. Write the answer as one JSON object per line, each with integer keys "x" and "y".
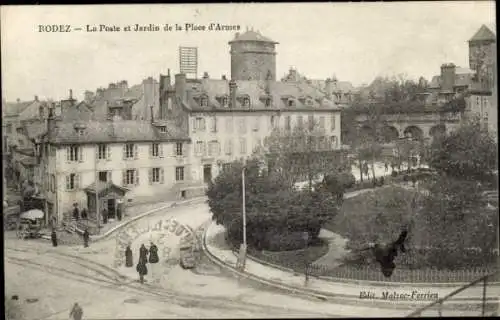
{"x": 111, "y": 208}
{"x": 207, "y": 173}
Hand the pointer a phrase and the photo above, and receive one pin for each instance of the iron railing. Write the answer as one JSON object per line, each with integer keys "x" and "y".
{"x": 439, "y": 302}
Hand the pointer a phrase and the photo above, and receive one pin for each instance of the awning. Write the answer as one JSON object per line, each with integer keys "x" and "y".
{"x": 32, "y": 214}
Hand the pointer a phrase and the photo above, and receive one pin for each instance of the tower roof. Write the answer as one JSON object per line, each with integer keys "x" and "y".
{"x": 251, "y": 35}
{"x": 484, "y": 33}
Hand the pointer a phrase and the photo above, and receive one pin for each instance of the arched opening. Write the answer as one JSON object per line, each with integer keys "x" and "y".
{"x": 414, "y": 132}
{"x": 437, "y": 131}
{"x": 389, "y": 134}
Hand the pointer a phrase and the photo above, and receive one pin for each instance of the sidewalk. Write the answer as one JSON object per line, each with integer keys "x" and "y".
{"x": 346, "y": 291}
{"x": 135, "y": 213}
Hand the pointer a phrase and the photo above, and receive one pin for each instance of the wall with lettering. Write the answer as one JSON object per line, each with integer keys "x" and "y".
{"x": 167, "y": 235}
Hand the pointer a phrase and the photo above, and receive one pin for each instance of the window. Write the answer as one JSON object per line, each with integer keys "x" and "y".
{"x": 288, "y": 123}
{"x": 130, "y": 177}
{"x": 74, "y": 153}
{"x": 102, "y": 151}
{"x": 213, "y": 148}
{"x": 224, "y": 101}
{"x": 226, "y": 166}
{"x": 243, "y": 146}
{"x": 322, "y": 123}
{"x": 268, "y": 102}
{"x": 229, "y": 147}
{"x": 199, "y": 148}
{"x": 311, "y": 122}
{"x": 105, "y": 176}
{"x": 130, "y": 151}
{"x": 163, "y": 129}
{"x": 204, "y": 102}
{"x": 179, "y": 149}
{"x": 72, "y": 182}
{"x": 199, "y": 124}
{"x": 243, "y": 125}
{"x": 300, "y": 121}
{"x": 8, "y": 129}
{"x": 256, "y": 124}
{"x": 156, "y": 175}
{"x": 246, "y": 102}
{"x": 229, "y": 124}
{"x": 334, "y": 141}
{"x": 213, "y": 126}
{"x": 155, "y": 150}
{"x": 333, "y": 123}
{"x": 179, "y": 174}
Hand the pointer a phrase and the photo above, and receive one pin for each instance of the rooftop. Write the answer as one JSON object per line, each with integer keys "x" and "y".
{"x": 483, "y": 34}
{"x": 251, "y": 35}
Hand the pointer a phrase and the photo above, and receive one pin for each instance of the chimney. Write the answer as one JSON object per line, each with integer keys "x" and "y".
{"x": 447, "y": 77}
{"x": 70, "y": 94}
{"x": 224, "y": 77}
{"x": 36, "y": 98}
{"x": 233, "y": 87}
{"x": 180, "y": 86}
{"x": 18, "y": 100}
{"x": 51, "y": 120}
{"x": 328, "y": 88}
{"x": 152, "y": 114}
{"x": 148, "y": 87}
{"x": 205, "y": 75}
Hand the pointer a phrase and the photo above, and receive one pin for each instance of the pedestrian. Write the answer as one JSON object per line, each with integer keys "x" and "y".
{"x": 129, "y": 258}
{"x": 76, "y": 212}
{"x": 53, "y": 237}
{"x": 86, "y": 237}
{"x": 76, "y": 312}
{"x": 413, "y": 180}
{"x": 85, "y": 215}
{"x": 142, "y": 270}
{"x": 386, "y": 167}
{"x": 153, "y": 259}
{"x": 104, "y": 216}
{"x": 119, "y": 213}
{"x": 143, "y": 254}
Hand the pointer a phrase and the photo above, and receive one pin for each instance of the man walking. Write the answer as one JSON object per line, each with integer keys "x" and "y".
{"x": 86, "y": 237}
{"x": 53, "y": 237}
{"x": 153, "y": 260}
{"x": 76, "y": 312}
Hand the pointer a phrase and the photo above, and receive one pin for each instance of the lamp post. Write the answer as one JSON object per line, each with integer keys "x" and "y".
{"x": 243, "y": 247}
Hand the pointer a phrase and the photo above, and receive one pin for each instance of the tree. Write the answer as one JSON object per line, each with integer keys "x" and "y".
{"x": 301, "y": 153}
{"x": 470, "y": 152}
{"x": 273, "y": 206}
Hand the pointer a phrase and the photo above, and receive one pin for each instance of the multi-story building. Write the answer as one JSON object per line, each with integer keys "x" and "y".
{"x": 229, "y": 119}
{"x": 122, "y": 160}
{"x": 482, "y": 59}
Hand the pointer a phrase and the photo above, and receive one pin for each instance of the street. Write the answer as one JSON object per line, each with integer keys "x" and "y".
{"x": 58, "y": 277}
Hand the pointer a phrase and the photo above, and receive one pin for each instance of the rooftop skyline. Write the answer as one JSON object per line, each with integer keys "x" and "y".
{"x": 355, "y": 41}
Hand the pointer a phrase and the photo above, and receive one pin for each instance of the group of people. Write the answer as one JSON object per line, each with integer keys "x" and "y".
{"x": 85, "y": 236}
{"x": 141, "y": 267}
{"x": 83, "y": 214}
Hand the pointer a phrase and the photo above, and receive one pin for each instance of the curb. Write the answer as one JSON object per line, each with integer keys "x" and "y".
{"x": 142, "y": 215}
{"x": 341, "y": 298}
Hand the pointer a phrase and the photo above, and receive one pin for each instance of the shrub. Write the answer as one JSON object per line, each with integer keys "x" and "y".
{"x": 284, "y": 241}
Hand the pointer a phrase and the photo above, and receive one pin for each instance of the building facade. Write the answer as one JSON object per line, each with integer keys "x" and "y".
{"x": 141, "y": 159}
{"x": 228, "y": 120}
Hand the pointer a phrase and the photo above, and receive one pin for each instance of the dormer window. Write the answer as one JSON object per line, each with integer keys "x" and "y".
{"x": 163, "y": 129}
{"x": 268, "y": 102}
{"x": 225, "y": 101}
{"x": 246, "y": 102}
{"x": 204, "y": 101}
{"x": 80, "y": 132}
{"x": 291, "y": 102}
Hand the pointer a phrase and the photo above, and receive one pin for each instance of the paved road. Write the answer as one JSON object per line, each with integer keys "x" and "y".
{"x": 57, "y": 277}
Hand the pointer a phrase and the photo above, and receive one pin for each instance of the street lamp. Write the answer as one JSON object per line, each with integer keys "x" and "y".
{"x": 243, "y": 247}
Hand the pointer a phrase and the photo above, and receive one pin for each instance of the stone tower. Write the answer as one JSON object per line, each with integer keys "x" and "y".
{"x": 482, "y": 56}
{"x": 253, "y": 57}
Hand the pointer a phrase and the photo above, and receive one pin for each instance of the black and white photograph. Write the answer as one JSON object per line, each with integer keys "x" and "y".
{"x": 250, "y": 160}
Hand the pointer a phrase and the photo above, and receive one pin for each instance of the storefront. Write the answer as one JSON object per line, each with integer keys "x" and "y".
{"x": 109, "y": 196}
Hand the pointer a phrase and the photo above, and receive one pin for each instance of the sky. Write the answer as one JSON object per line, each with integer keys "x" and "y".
{"x": 353, "y": 41}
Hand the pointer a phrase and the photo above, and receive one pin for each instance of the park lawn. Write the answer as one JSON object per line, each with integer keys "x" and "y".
{"x": 357, "y": 212}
